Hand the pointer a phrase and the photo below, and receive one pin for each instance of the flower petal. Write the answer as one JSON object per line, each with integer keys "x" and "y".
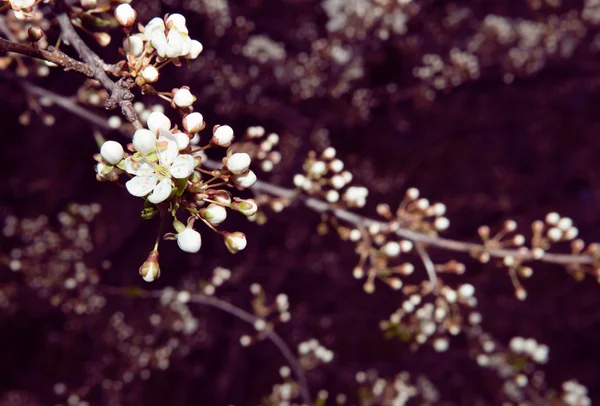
{"x": 159, "y": 42}
{"x": 182, "y": 167}
{"x": 141, "y": 185}
{"x": 161, "y": 191}
{"x": 167, "y": 149}
{"x": 174, "y": 43}
{"x": 138, "y": 167}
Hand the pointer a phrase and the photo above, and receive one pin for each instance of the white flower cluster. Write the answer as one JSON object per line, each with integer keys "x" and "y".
{"x": 160, "y": 42}
{"x": 530, "y": 347}
{"x": 162, "y": 166}
{"x": 575, "y": 394}
{"x": 319, "y": 352}
{"x": 170, "y": 38}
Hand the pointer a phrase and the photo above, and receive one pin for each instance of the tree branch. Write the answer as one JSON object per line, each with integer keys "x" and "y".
{"x": 51, "y": 55}
{"x": 320, "y": 206}
{"x": 120, "y": 91}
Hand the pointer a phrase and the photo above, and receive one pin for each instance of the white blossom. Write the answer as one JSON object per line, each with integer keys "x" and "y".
{"x": 248, "y": 207}
{"x": 125, "y": 15}
{"x": 157, "y": 121}
{"x": 467, "y": 290}
{"x": 19, "y": 4}
{"x": 215, "y": 214}
{"x": 223, "y": 136}
{"x": 246, "y": 180}
{"x": 189, "y": 240}
{"x": 356, "y": 195}
{"x": 195, "y": 49}
{"x": 150, "y": 74}
{"x": 392, "y": 249}
{"x": 155, "y": 178}
{"x": 144, "y": 141}
{"x": 134, "y": 45}
{"x": 183, "y": 97}
{"x": 112, "y": 152}
{"x": 238, "y": 163}
{"x": 179, "y": 138}
{"x": 235, "y": 242}
{"x": 177, "y": 21}
{"x": 193, "y": 122}
{"x": 155, "y": 25}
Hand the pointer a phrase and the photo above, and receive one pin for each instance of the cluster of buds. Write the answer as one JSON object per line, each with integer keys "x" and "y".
{"x": 516, "y": 366}
{"x": 419, "y": 321}
{"x": 398, "y": 390}
{"x": 160, "y": 42}
{"x": 261, "y": 147}
{"x": 416, "y": 213}
{"x": 51, "y": 258}
{"x": 284, "y": 393}
{"x": 530, "y": 348}
{"x": 165, "y": 170}
{"x": 324, "y": 176}
{"x": 507, "y": 238}
{"x": 379, "y": 248}
{"x": 379, "y": 256}
{"x": 553, "y": 229}
{"x": 220, "y": 275}
{"x": 575, "y": 394}
{"x": 312, "y": 354}
{"x": 268, "y": 315}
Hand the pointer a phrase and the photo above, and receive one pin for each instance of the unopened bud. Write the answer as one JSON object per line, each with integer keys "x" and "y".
{"x": 214, "y": 213}
{"x": 103, "y": 38}
{"x": 246, "y": 207}
{"x": 235, "y": 241}
{"x": 125, "y": 15}
{"x": 193, "y": 122}
{"x": 219, "y": 195}
{"x": 35, "y": 33}
{"x": 222, "y": 136}
{"x": 88, "y": 4}
{"x": 150, "y": 74}
{"x": 150, "y": 270}
{"x": 182, "y": 97}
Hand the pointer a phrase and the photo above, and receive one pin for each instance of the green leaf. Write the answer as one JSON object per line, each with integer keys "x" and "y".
{"x": 91, "y": 21}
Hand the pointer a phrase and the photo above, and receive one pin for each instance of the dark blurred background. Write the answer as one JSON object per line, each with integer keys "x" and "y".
{"x": 513, "y": 140}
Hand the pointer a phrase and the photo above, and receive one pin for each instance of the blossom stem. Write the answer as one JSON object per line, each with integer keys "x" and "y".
{"x": 217, "y": 203}
{"x": 162, "y": 65}
{"x": 210, "y": 225}
{"x": 201, "y": 149}
{"x": 160, "y": 227}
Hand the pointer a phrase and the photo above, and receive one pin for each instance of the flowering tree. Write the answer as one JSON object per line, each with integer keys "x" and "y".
{"x": 366, "y": 292}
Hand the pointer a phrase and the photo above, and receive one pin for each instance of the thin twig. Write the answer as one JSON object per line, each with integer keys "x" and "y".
{"x": 428, "y": 263}
{"x": 240, "y": 314}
